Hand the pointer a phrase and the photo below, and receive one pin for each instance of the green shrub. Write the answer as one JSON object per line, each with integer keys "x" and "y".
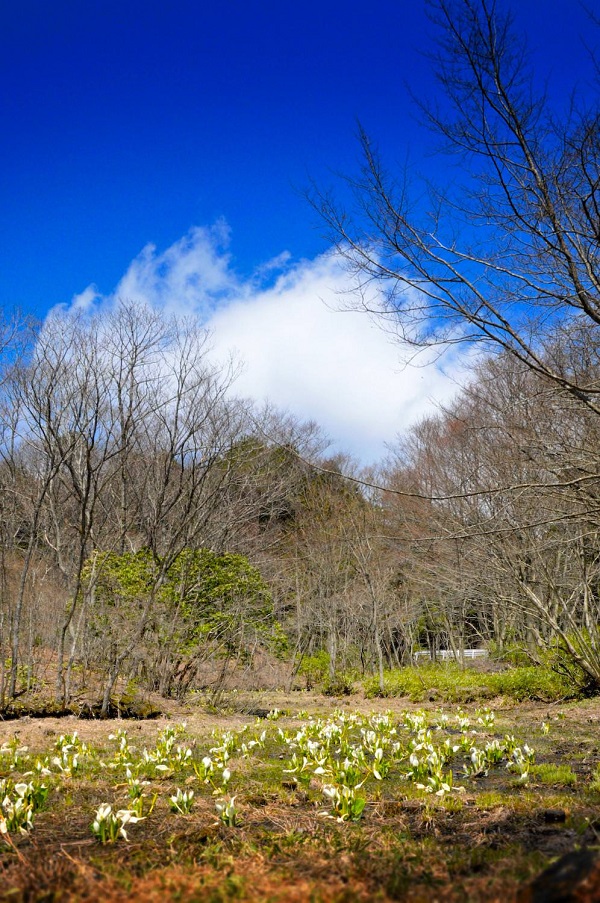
{"x": 315, "y": 668}
{"x": 340, "y": 685}
{"x": 561, "y": 661}
{"x": 595, "y": 783}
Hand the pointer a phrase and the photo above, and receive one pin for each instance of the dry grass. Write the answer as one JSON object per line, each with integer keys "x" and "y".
{"x": 480, "y": 846}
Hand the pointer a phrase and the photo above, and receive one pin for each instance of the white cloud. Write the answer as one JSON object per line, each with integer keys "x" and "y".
{"x": 193, "y": 275}
{"x": 300, "y": 352}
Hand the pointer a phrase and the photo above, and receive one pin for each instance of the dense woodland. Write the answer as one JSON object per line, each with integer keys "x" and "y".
{"x": 158, "y": 530}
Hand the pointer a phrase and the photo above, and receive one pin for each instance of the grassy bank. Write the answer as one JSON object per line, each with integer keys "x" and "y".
{"x": 448, "y": 682}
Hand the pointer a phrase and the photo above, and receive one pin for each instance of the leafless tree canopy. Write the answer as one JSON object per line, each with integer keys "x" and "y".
{"x": 506, "y": 252}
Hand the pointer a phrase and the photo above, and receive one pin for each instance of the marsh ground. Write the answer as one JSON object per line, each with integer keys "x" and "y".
{"x": 483, "y": 843}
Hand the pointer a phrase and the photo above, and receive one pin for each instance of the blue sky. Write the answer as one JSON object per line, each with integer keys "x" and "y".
{"x": 128, "y": 124}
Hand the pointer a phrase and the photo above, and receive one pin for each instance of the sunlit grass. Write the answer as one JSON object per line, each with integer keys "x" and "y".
{"x": 549, "y": 773}
{"x": 298, "y": 787}
{"x": 465, "y": 685}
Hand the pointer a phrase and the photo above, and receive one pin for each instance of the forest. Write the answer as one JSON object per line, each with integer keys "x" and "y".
{"x": 160, "y": 533}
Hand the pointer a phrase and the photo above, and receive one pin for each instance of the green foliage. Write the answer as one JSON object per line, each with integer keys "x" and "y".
{"x": 201, "y": 594}
{"x": 316, "y": 671}
{"x": 561, "y": 660}
{"x": 314, "y": 668}
{"x": 510, "y": 653}
{"x": 531, "y": 682}
{"x": 457, "y": 685}
{"x": 340, "y": 685}
{"x": 556, "y": 657}
{"x": 131, "y": 575}
{"x": 119, "y": 585}
{"x": 217, "y": 595}
{"x": 199, "y": 605}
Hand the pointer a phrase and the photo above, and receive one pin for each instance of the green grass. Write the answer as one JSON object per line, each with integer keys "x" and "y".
{"x": 450, "y": 683}
{"x": 595, "y": 782}
{"x": 548, "y": 773}
{"x": 490, "y": 800}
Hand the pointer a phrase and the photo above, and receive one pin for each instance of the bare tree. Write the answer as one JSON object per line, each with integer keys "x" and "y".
{"x": 46, "y": 414}
{"x": 510, "y": 251}
{"x": 175, "y": 425}
{"x": 509, "y": 551}
{"x": 505, "y": 257}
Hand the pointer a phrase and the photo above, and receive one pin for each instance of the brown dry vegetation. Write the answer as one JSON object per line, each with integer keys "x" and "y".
{"x": 482, "y": 845}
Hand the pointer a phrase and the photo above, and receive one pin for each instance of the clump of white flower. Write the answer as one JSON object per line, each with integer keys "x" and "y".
{"x": 108, "y": 826}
